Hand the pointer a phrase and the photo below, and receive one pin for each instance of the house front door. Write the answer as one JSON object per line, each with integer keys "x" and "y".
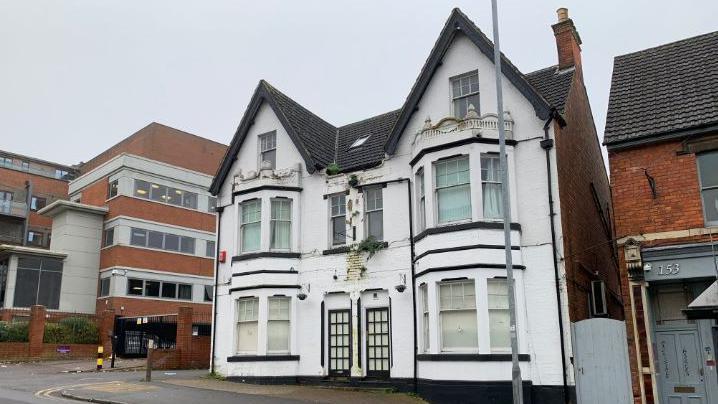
{"x": 377, "y": 342}
{"x": 340, "y": 342}
{"x": 679, "y": 367}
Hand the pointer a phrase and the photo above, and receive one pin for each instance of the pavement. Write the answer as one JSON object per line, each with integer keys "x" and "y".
{"x": 69, "y": 381}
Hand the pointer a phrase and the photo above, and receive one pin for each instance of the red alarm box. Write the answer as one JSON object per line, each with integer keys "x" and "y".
{"x": 222, "y": 256}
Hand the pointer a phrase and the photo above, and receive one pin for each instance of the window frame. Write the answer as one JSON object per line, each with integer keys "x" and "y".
{"x": 464, "y": 97}
{"x": 442, "y": 347}
{"x": 425, "y": 320}
{"x": 36, "y": 201}
{"x": 288, "y": 322}
{"x": 210, "y": 248}
{"x": 38, "y": 285}
{"x": 32, "y": 235}
{"x": 113, "y": 189}
{"x": 704, "y": 188}
{"x": 489, "y": 309}
{"x": 255, "y": 312}
{"x": 242, "y": 224}
{"x": 273, "y": 221}
{"x": 368, "y": 213}
{"x": 104, "y": 282}
{"x": 420, "y": 182}
{"x": 437, "y": 188}
{"x": 111, "y": 238}
{"x": 339, "y": 216}
{"x": 262, "y": 150}
{"x": 496, "y": 158}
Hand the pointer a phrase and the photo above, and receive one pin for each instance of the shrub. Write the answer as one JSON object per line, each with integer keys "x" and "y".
{"x": 71, "y": 330}
{"x": 333, "y": 169}
{"x": 14, "y": 331}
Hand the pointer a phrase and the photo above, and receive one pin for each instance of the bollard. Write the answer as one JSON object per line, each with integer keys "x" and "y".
{"x": 148, "y": 367}
{"x": 100, "y": 351}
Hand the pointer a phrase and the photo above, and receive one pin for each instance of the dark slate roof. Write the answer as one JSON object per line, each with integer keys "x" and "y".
{"x": 663, "y": 91}
{"x": 316, "y": 135}
{"x": 320, "y": 143}
{"x": 371, "y": 152}
{"x": 553, "y": 84}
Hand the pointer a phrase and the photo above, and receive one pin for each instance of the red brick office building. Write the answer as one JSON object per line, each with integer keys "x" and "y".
{"x": 662, "y": 139}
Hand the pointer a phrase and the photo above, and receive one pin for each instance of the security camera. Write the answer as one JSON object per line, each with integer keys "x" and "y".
{"x": 301, "y": 296}
{"x": 400, "y": 288}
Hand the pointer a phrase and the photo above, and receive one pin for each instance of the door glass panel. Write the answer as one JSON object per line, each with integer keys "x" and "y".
{"x": 339, "y": 343}
{"x": 377, "y": 326}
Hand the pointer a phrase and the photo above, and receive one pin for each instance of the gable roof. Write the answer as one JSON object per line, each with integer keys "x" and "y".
{"x": 457, "y": 23}
{"x": 553, "y": 84}
{"x": 320, "y": 143}
{"x": 663, "y": 91}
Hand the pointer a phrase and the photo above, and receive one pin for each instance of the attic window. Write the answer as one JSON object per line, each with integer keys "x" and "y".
{"x": 359, "y": 142}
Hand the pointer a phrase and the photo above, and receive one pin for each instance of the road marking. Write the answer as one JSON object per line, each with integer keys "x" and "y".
{"x": 47, "y": 393}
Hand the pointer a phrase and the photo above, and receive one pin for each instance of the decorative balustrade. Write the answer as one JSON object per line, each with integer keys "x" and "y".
{"x": 452, "y": 129}
{"x": 287, "y": 177}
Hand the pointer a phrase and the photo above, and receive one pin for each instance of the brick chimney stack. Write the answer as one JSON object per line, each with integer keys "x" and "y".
{"x": 568, "y": 42}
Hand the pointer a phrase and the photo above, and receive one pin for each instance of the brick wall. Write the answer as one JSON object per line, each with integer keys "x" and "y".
{"x": 158, "y": 260}
{"x": 143, "y": 307}
{"x": 588, "y": 248}
{"x": 677, "y": 205}
{"x": 172, "y": 146}
{"x": 191, "y": 352}
{"x": 157, "y": 212}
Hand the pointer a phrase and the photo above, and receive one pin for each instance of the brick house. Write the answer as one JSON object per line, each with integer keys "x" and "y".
{"x": 662, "y": 139}
{"x": 341, "y": 245}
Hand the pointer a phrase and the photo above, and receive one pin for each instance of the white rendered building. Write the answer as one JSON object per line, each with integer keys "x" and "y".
{"x": 373, "y": 252}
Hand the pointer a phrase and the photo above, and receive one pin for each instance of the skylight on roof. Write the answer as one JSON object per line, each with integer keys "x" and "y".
{"x": 359, "y": 142}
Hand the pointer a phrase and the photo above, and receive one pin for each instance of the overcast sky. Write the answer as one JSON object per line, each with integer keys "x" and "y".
{"x": 78, "y": 76}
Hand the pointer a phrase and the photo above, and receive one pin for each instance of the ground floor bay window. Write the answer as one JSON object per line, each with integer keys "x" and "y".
{"x": 247, "y": 325}
{"x": 457, "y": 313}
{"x": 278, "y": 325}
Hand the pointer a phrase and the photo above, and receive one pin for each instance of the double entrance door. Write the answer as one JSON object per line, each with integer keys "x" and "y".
{"x": 378, "y": 352}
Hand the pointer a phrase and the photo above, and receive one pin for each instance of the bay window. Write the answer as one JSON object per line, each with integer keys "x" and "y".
{"x": 421, "y": 199}
{"x": 374, "y": 208}
{"x": 491, "y": 186}
{"x": 247, "y": 322}
{"x": 708, "y": 172}
{"x": 457, "y": 312}
{"x": 423, "y": 292}
{"x": 453, "y": 192}
{"x": 280, "y": 229}
{"x": 498, "y": 298}
{"x": 337, "y": 213}
{"x": 278, "y": 324}
{"x": 251, "y": 225}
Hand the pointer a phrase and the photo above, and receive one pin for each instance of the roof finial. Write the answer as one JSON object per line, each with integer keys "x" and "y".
{"x": 427, "y": 123}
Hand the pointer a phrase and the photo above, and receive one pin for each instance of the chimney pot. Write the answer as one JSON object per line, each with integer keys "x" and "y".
{"x": 562, "y": 14}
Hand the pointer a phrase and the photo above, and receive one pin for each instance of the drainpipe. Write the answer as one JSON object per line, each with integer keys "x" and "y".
{"x": 547, "y": 145}
{"x": 219, "y": 210}
{"x": 413, "y": 278}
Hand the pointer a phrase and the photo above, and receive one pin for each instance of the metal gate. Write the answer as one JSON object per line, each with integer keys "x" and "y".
{"x": 133, "y": 333}
{"x": 601, "y": 365}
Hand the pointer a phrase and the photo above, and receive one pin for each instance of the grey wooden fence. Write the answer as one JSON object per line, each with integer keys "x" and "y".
{"x": 601, "y": 365}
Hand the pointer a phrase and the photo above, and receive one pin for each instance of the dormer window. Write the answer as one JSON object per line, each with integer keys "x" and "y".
{"x": 268, "y": 150}
{"x": 359, "y": 142}
{"x": 465, "y": 92}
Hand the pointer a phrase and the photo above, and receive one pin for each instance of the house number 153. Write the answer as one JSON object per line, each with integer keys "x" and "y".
{"x": 669, "y": 269}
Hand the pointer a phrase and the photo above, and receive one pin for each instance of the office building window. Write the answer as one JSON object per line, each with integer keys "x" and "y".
{"x": 165, "y": 194}
{"x": 37, "y": 203}
{"x": 109, "y": 237}
{"x": 210, "y": 249}
{"x": 35, "y": 238}
{"x": 38, "y": 281}
{"x": 208, "y": 293}
{"x": 105, "y": 287}
{"x": 112, "y": 189}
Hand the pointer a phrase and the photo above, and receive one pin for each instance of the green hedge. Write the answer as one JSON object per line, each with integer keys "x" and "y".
{"x": 71, "y": 330}
{"x": 14, "y": 332}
